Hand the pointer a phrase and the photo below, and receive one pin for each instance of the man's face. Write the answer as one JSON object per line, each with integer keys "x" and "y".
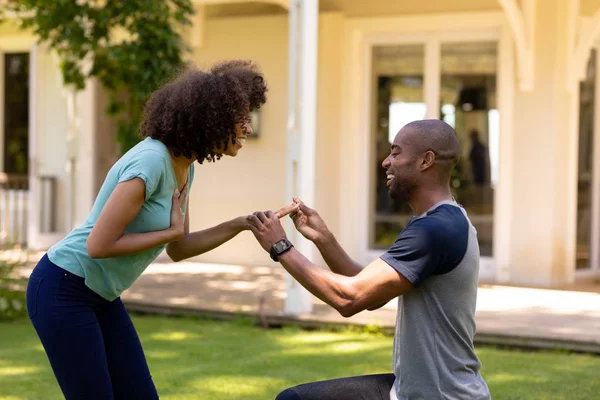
{"x": 401, "y": 168}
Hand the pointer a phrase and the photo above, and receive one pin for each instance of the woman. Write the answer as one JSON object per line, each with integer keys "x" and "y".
{"x": 142, "y": 208}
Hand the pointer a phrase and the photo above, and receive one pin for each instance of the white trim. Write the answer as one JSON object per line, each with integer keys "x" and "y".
{"x": 302, "y": 126}
{"x": 574, "y": 29}
{"x": 595, "y": 183}
{"x": 503, "y": 193}
{"x": 33, "y": 220}
{"x": 522, "y": 23}
{"x": 35, "y": 239}
{"x": 572, "y": 185}
{"x": 593, "y": 268}
{"x": 587, "y": 35}
{"x": 432, "y": 77}
{"x": 585, "y": 274}
{"x": 361, "y": 35}
{"x": 282, "y": 3}
{"x": 426, "y": 23}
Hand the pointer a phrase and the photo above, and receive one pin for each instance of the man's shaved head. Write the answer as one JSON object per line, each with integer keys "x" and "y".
{"x": 423, "y": 156}
{"x": 436, "y": 136}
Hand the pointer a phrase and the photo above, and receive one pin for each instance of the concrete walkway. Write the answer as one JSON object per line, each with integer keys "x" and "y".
{"x": 568, "y": 318}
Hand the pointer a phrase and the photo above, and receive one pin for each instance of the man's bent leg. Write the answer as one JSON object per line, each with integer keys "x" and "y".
{"x": 365, "y": 387}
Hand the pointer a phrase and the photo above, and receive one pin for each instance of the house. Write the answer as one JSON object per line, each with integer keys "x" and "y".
{"x": 517, "y": 79}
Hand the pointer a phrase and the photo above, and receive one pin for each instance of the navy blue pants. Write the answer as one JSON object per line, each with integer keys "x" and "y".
{"x": 91, "y": 343}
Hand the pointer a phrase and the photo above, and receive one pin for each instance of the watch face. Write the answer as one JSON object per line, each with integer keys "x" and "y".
{"x": 279, "y": 246}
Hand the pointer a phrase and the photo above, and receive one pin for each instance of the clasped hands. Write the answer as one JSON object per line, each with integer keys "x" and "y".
{"x": 267, "y": 228}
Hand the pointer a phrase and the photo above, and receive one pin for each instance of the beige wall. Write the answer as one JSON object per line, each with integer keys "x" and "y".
{"x": 255, "y": 179}
{"x": 329, "y": 135}
{"x": 589, "y": 7}
{"x": 372, "y": 8}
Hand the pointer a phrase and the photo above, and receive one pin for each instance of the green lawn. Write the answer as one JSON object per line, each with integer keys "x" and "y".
{"x": 203, "y": 359}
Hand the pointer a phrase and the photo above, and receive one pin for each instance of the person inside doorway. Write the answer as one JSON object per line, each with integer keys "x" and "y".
{"x": 478, "y": 159}
{"x": 432, "y": 268}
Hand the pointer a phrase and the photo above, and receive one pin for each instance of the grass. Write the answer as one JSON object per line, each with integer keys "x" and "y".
{"x": 204, "y": 359}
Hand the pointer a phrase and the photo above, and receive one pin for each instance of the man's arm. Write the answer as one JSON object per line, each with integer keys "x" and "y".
{"x": 310, "y": 224}
{"x": 336, "y": 257}
{"x": 372, "y": 287}
{"x": 339, "y": 261}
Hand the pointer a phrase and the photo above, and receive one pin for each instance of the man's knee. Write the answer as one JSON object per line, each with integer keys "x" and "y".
{"x": 288, "y": 394}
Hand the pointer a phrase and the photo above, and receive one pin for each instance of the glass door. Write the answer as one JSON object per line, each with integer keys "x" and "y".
{"x": 588, "y": 183}
{"x": 465, "y": 98}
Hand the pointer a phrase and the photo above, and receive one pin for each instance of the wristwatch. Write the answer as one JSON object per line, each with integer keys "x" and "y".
{"x": 279, "y": 248}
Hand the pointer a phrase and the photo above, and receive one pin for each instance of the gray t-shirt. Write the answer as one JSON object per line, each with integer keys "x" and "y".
{"x": 434, "y": 356}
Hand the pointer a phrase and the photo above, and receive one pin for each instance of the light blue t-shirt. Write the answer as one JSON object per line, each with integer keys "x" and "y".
{"x": 109, "y": 277}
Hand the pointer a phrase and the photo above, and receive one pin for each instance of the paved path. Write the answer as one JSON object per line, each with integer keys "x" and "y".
{"x": 505, "y": 315}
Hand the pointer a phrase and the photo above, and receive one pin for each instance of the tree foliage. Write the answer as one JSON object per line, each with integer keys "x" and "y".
{"x": 131, "y": 46}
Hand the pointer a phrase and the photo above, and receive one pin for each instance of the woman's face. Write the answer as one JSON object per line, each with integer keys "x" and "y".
{"x": 242, "y": 130}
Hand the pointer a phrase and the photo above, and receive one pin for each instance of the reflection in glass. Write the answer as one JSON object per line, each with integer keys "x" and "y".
{"x": 398, "y": 72}
{"x": 468, "y": 103}
{"x": 586, "y": 162}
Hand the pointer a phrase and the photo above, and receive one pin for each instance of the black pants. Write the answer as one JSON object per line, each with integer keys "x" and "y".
{"x": 366, "y": 387}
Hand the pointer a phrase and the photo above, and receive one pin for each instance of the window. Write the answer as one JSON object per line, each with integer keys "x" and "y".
{"x": 400, "y": 99}
{"x": 586, "y": 164}
{"x": 468, "y": 104}
{"x": 466, "y": 101}
{"x": 16, "y": 113}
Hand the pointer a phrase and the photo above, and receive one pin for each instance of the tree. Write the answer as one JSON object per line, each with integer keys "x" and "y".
{"x": 131, "y": 46}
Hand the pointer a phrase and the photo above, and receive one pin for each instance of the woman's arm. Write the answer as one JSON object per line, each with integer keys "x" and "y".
{"x": 108, "y": 237}
{"x": 196, "y": 243}
{"x": 200, "y": 242}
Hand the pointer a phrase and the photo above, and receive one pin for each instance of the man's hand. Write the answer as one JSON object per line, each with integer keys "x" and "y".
{"x": 308, "y": 222}
{"x": 266, "y": 228}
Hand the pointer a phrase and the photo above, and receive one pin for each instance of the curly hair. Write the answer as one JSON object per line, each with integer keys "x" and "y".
{"x": 198, "y": 111}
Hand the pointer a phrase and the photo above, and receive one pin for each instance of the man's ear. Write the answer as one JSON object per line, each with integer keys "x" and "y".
{"x": 428, "y": 160}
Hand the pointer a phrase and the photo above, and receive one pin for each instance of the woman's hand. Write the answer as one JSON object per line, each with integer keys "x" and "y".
{"x": 177, "y": 213}
{"x": 291, "y": 208}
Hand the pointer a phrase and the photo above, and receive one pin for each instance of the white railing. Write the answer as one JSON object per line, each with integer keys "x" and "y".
{"x": 14, "y": 209}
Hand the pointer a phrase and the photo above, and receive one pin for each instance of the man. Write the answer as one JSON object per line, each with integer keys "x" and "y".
{"x": 433, "y": 265}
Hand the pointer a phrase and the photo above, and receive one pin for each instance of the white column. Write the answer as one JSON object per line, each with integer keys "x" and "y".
{"x": 86, "y": 158}
{"x": 81, "y": 158}
{"x": 33, "y": 226}
{"x": 432, "y": 78}
{"x": 71, "y": 160}
{"x": 503, "y": 194}
{"x": 302, "y": 99}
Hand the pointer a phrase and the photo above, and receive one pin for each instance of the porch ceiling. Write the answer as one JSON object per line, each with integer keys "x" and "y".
{"x": 362, "y": 8}
{"x": 589, "y": 7}
{"x": 357, "y": 8}
{"x": 243, "y": 9}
